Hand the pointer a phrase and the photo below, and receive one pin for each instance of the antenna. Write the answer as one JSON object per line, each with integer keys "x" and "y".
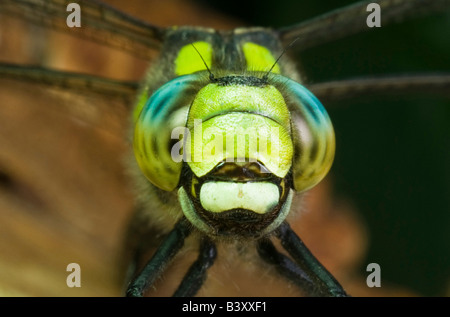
{"x": 282, "y": 53}
{"x": 211, "y": 75}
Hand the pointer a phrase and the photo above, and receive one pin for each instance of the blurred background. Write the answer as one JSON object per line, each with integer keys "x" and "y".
{"x": 64, "y": 197}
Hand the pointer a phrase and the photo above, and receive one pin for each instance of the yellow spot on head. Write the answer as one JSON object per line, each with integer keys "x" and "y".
{"x": 259, "y": 58}
{"x": 190, "y": 61}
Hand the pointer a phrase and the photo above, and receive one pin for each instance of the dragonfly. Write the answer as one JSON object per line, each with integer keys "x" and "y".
{"x": 85, "y": 110}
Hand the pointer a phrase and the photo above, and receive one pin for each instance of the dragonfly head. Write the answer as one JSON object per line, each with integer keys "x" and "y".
{"x": 242, "y": 146}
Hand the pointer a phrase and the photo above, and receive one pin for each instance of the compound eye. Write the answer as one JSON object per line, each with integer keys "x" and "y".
{"x": 158, "y": 126}
{"x": 313, "y": 135}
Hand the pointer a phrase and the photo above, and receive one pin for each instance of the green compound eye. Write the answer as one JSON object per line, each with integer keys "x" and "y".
{"x": 163, "y": 113}
{"x": 313, "y": 135}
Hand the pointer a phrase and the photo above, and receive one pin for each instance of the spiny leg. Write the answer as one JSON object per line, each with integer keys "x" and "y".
{"x": 157, "y": 264}
{"x": 288, "y": 268}
{"x": 196, "y": 276}
{"x": 308, "y": 263}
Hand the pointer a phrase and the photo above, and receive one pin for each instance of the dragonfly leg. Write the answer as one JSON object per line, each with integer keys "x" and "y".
{"x": 292, "y": 243}
{"x": 196, "y": 276}
{"x": 287, "y": 268}
{"x": 162, "y": 257}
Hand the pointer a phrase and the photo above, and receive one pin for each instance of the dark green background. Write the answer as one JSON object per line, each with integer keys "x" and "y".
{"x": 393, "y": 154}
